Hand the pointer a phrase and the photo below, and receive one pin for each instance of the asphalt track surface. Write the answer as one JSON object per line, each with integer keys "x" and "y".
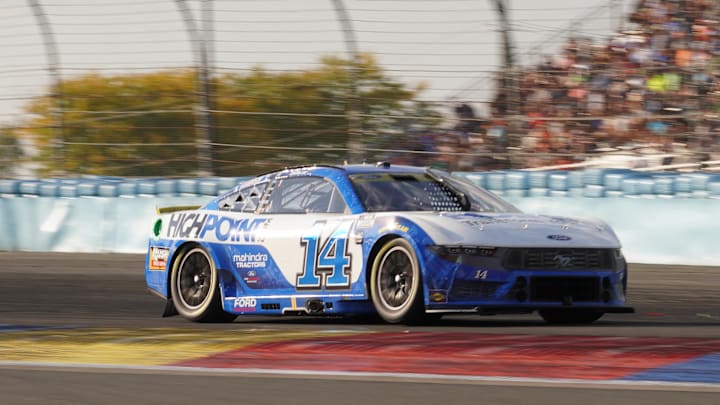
{"x": 106, "y": 292}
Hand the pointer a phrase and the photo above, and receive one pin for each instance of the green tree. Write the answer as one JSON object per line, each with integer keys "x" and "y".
{"x": 140, "y": 125}
{"x": 10, "y": 153}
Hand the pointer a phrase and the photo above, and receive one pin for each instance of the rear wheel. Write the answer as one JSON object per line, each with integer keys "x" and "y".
{"x": 570, "y": 316}
{"x": 395, "y": 283}
{"x": 194, "y": 287}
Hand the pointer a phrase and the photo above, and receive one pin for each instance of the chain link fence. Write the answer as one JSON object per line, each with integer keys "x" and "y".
{"x": 229, "y": 88}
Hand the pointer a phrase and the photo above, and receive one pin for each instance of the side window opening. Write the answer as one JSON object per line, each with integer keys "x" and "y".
{"x": 337, "y": 203}
{"x": 299, "y": 195}
{"x": 230, "y": 201}
{"x": 244, "y": 200}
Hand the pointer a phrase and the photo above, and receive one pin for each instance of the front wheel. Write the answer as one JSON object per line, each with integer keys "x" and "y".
{"x": 194, "y": 287}
{"x": 395, "y": 283}
{"x": 570, "y": 316}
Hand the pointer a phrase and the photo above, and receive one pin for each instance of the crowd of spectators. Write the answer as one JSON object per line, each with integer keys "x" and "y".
{"x": 656, "y": 84}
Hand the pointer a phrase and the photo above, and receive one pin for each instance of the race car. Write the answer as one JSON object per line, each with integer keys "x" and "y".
{"x": 405, "y": 243}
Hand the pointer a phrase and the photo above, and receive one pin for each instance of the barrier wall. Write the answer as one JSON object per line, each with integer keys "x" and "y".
{"x": 598, "y": 183}
{"x": 592, "y": 183}
{"x": 670, "y": 231}
{"x": 97, "y": 224}
{"x": 654, "y": 228}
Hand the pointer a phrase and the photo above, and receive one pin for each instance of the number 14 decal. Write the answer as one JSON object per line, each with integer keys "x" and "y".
{"x": 326, "y": 263}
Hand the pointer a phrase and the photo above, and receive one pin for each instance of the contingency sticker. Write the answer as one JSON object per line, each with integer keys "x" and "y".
{"x": 158, "y": 258}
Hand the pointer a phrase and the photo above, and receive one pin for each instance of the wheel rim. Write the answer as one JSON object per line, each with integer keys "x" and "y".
{"x": 194, "y": 279}
{"x": 395, "y": 278}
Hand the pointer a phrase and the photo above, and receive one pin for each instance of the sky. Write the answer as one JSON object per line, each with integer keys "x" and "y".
{"x": 452, "y": 46}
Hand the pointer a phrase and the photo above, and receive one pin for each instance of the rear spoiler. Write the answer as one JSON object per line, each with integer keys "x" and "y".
{"x": 168, "y": 210}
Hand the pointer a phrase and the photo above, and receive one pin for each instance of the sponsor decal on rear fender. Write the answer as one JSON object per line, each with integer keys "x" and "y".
{"x": 158, "y": 258}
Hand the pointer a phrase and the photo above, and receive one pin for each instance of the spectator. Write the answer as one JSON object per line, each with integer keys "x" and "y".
{"x": 641, "y": 86}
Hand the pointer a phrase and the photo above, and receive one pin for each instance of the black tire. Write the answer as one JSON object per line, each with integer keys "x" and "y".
{"x": 396, "y": 284}
{"x": 194, "y": 287}
{"x": 570, "y": 316}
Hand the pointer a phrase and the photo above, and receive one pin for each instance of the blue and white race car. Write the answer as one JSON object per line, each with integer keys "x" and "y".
{"x": 406, "y": 243}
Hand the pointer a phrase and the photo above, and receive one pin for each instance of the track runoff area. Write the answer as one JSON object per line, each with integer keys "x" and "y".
{"x": 689, "y": 363}
{"x": 69, "y": 311}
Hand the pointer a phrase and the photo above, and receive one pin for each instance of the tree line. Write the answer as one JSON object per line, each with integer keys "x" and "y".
{"x": 144, "y": 124}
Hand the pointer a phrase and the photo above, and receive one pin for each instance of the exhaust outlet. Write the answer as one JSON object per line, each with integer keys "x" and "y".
{"x": 314, "y": 306}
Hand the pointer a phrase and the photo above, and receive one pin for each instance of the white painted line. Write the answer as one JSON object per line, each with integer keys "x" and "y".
{"x": 377, "y": 376}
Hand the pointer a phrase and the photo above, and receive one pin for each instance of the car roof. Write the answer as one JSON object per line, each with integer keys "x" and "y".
{"x": 382, "y": 167}
{"x": 348, "y": 169}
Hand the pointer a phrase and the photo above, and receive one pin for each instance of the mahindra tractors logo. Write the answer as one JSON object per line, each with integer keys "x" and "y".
{"x": 562, "y": 260}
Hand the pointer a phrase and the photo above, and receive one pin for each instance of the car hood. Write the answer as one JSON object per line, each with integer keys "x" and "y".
{"x": 514, "y": 230}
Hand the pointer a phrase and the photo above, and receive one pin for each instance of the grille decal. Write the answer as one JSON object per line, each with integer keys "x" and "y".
{"x": 564, "y": 259}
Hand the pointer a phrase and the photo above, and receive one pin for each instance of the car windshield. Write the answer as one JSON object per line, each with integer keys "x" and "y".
{"x": 432, "y": 190}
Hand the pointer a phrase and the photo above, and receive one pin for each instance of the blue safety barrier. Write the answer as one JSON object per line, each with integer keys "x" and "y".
{"x": 651, "y": 212}
{"x": 656, "y": 230}
{"x": 598, "y": 183}
{"x": 594, "y": 183}
{"x": 558, "y": 181}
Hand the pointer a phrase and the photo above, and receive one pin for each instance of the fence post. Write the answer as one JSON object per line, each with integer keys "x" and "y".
{"x": 352, "y": 110}
{"x": 202, "y": 106}
{"x": 510, "y": 80}
{"x": 53, "y": 61}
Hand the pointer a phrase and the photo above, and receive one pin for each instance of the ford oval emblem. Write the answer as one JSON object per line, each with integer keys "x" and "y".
{"x": 559, "y": 237}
